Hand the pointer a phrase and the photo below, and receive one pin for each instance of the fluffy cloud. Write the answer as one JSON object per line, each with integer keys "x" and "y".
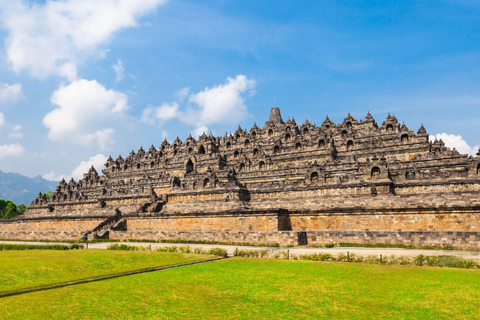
{"x": 200, "y": 130}
{"x": 53, "y": 37}
{"x": 10, "y": 93}
{"x": 221, "y": 104}
{"x": 457, "y": 142}
{"x": 98, "y": 161}
{"x": 162, "y": 113}
{"x": 84, "y": 109}
{"x": 2, "y": 119}
{"x": 119, "y": 70}
{"x": 11, "y": 150}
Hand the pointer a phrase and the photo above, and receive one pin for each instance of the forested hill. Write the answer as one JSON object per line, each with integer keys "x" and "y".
{"x": 22, "y": 189}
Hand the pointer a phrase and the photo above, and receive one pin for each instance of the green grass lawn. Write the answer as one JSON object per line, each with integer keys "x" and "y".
{"x": 259, "y": 288}
{"x": 32, "y": 268}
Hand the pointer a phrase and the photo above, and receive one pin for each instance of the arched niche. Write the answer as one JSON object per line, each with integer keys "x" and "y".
{"x": 206, "y": 183}
{"x": 201, "y": 150}
{"x": 261, "y": 165}
{"x": 349, "y": 144}
{"x": 189, "y": 167}
{"x": 375, "y": 173}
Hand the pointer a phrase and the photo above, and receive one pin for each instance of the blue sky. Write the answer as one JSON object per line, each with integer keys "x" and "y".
{"x": 189, "y": 66}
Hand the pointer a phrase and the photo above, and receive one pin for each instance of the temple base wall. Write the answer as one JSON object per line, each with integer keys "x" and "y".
{"x": 464, "y": 240}
{"x": 51, "y": 229}
{"x": 458, "y": 228}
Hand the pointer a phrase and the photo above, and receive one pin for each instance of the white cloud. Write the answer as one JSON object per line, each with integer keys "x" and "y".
{"x": 221, "y": 104}
{"x": 98, "y": 161}
{"x": 11, "y": 150}
{"x": 50, "y": 38}
{"x": 16, "y": 133}
{"x": 10, "y": 93}
{"x": 84, "y": 110}
{"x": 68, "y": 70}
{"x": 2, "y": 119}
{"x": 103, "y": 138}
{"x": 182, "y": 93}
{"x": 119, "y": 71}
{"x": 200, "y": 130}
{"x": 162, "y": 113}
{"x": 457, "y": 142}
{"x": 53, "y": 177}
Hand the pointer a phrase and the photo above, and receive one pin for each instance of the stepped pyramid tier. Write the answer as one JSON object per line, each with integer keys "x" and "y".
{"x": 356, "y": 181}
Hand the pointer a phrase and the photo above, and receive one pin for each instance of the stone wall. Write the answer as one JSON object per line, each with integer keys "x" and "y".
{"x": 465, "y": 240}
{"x": 281, "y": 237}
{"x": 221, "y": 222}
{"x": 48, "y": 229}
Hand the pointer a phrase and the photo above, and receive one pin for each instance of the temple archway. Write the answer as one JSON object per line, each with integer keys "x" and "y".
{"x": 189, "y": 167}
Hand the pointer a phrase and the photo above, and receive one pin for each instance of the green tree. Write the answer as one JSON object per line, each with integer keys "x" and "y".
{"x": 48, "y": 194}
{"x": 10, "y": 211}
{"x": 21, "y": 208}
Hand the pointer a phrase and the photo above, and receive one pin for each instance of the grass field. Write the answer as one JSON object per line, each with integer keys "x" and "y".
{"x": 260, "y": 288}
{"x": 26, "y": 269}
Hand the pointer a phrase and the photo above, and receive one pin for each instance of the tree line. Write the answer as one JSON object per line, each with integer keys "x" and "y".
{"x": 9, "y": 210}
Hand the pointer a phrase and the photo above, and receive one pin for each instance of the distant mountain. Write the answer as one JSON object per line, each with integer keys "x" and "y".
{"x": 21, "y": 189}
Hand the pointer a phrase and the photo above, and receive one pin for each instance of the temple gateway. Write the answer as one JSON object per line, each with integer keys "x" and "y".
{"x": 283, "y": 183}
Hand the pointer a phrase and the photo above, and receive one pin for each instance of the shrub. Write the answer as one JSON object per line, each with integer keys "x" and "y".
{"x": 123, "y": 247}
{"x": 250, "y": 253}
{"x": 38, "y": 247}
{"x": 330, "y": 245}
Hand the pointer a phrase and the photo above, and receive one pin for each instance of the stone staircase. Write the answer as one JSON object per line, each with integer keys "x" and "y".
{"x": 102, "y": 231}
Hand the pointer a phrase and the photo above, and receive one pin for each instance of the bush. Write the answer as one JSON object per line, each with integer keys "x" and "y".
{"x": 39, "y": 247}
{"x": 395, "y": 245}
{"x": 450, "y": 261}
{"x": 251, "y": 253}
{"x": 123, "y": 247}
{"x": 317, "y": 257}
{"x": 330, "y": 245}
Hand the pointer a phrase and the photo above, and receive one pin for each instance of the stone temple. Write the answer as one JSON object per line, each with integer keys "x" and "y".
{"x": 284, "y": 183}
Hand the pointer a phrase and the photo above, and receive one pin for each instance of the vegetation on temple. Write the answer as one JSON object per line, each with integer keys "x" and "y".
{"x": 9, "y": 210}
